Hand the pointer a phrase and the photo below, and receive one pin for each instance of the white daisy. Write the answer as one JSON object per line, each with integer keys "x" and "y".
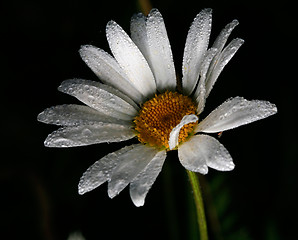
{"x": 139, "y": 98}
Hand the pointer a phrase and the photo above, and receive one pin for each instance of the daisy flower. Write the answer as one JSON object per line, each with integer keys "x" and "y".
{"x": 139, "y": 97}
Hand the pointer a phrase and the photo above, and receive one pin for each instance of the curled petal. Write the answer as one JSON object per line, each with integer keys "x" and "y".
{"x": 235, "y": 112}
{"x": 174, "y": 135}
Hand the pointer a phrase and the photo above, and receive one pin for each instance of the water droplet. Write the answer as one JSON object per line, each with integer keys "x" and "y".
{"x": 86, "y": 132}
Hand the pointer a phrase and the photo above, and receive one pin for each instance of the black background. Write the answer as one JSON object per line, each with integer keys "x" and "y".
{"x": 39, "y": 199}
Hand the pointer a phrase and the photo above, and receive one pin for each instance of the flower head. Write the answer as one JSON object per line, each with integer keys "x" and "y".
{"x": 139, "y": 98}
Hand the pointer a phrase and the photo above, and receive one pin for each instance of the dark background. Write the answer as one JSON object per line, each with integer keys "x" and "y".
{"x": 39, "y": 199}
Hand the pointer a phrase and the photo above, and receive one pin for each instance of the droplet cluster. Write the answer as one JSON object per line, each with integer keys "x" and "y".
{"x": 159, "y": 115}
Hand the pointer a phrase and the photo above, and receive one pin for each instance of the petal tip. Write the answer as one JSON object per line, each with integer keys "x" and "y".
{"x": 41, "y": 117}
{"x": 232, "y": 166}
{"x": 111, "y": 25}
{"x": 138, "y": 202}
{"x": 81, "y": 191}
{"x": 82, "y": 186}
{"x": 206, "y": 11}
{"x": 229, "y": 166}
{"x": 112, "y": 193}
{"x": 274, "y": 108}
{"x": 239, "y": 41}
{"x": 48, "y": 143}
{"x": 235, "y": 22}
{"x": 203, "y": 170}
{"x": 83, "y": 51}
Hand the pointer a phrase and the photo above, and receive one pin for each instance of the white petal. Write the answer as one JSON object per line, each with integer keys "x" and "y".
{"x": 220, "y": 159}
{"x": 195, "y": 48}
{"x": 174, "y": 135}
{"x": 103, "y": 98}
{"x": 130, "y": 165}
{"x": 89, "y": 134}
{"x": 145, "y": 179}
{"x": 108, "y": 71}
{"x": 193, "y": 156}
{"x": 130, "y": 59}
{"x": 234, "y": 113}
{"x": 200, "y": 93}
{"x": 202, "y": 151}
{"x": 222, "y": 38}
{"x": 139, "y": 34}
{"x": 161, "y": 59}
{"x": 220, "y": 42}
{"x": 221, "y": 62}
{"x": 73, "y": 115}
{"x": 101, "y": 170}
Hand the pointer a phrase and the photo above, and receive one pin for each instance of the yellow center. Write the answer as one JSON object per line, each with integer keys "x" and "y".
{"x": 159, "y": 115}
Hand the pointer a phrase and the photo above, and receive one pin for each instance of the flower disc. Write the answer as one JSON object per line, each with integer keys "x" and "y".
{"x": 159, "y": 115}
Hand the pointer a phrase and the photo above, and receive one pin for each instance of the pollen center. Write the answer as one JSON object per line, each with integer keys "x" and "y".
{"x": 159, "y": 115}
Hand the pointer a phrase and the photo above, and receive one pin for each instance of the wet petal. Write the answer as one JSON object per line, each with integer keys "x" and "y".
{"x": 195, "y": 49}
{"x": 222, "y": 38}
{"x": 73, "y": 115}
{"x": 130, "y": 59}
{"x": 161, "y": 59}
{"x": 193, "y": 155}
{"x": 103, "y": 98}
{"x": 235, "y": 112}
{"x": 150, "y": 35}
{"x": 108, "y": 71}
{"x": 139, "y": 34}
{"x": 221, "y": 62}
{"x": 130, "y": 165}
{"x": 220, "y": 158}
{"x": 89, "y": 134}
{"x": 219, "y": 44}
{"x": 202, "y": 151}
{"x": 101, "y": 170}
{"x": 174, "y": 135}
{"x": 145, "y": 179}
{"x": 200, "y": 93}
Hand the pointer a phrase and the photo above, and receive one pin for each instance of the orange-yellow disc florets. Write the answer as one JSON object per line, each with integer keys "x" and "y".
{"x": 159, "y": 115}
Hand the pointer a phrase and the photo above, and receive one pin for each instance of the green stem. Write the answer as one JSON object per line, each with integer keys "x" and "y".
{"x": 194, "y": 182}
